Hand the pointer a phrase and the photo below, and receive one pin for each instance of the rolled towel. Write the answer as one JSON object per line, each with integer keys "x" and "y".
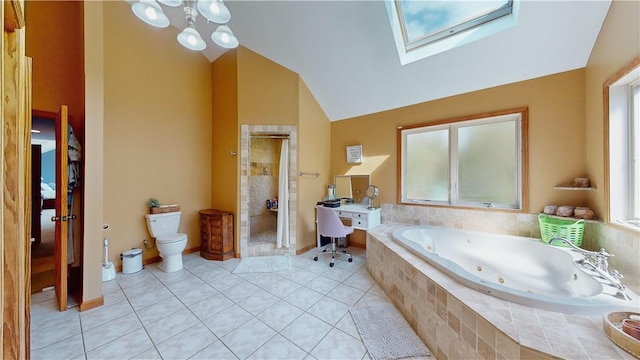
{"x": 583, "y": 213}
{"x": 565, "y": 210}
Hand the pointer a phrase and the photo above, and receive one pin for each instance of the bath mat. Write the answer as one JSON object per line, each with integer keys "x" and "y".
{"x": 263, "y": 264}
{"x": 385, "y": 333}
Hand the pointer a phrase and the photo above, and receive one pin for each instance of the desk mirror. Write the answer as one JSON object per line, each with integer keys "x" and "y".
{"x": 352, "y": 187}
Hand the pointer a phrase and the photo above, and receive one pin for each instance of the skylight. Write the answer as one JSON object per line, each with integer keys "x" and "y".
{"x": 424, "y": 27}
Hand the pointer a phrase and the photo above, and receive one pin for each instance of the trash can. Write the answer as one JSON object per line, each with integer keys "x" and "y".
{"x": 342, "y": 242}
{"x": 131, "y": 261}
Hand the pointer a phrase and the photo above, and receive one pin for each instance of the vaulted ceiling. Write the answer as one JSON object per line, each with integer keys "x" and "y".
{"x": 345, "y": 52}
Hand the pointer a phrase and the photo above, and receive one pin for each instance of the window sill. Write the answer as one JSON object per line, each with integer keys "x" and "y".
{"x": 626, "y": 225}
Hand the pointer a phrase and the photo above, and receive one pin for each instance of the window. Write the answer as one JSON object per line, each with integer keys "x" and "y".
{"x": 623, "y": 145}
{"x": 468, "y": 162}
{"x": 423, "y": 28}
{"x": 424, "y": 22}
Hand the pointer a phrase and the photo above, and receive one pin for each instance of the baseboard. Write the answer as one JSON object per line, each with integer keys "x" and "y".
{"x": 305, "y": 249}
{"x": 192, "y": 250}
{"x": 90, "y": 304}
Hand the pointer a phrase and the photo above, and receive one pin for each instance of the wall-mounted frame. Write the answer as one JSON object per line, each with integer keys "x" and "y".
{"x": 354, "y": 154}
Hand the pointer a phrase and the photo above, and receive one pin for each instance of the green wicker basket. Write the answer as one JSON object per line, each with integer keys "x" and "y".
{"x": 569, "y": 229}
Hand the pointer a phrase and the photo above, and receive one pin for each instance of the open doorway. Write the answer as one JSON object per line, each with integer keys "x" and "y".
{"x": 56, "y": 199}
{"x": 43, "y": 170}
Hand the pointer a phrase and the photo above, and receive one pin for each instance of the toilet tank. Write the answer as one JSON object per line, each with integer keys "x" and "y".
{"x": 163, "y": 223}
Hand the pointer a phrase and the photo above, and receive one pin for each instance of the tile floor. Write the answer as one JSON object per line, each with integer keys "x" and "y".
{"x": 206, "y": 312}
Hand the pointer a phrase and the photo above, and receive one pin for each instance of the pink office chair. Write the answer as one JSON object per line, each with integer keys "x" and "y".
{"x": 329, "y": 225}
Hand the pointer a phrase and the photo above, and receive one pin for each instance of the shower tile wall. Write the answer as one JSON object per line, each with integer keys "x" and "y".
{"x": 263, "y": 185}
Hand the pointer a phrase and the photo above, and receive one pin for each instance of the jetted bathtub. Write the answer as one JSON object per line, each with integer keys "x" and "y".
{"x": 518, "y": 269}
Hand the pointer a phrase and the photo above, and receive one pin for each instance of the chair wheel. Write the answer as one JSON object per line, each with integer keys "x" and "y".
{"x": 315, "y": 258}
{"x": 350, "y": 259}
{"x": 331, "y": 264}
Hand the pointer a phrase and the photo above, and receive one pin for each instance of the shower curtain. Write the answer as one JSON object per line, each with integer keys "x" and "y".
{"x": 282, "y": 237}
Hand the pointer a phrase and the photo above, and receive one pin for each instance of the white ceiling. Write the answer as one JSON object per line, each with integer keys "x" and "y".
{"x": 345, "y": 52}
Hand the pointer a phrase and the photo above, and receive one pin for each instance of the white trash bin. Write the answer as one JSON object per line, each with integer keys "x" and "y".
{"x": 131, "y": 261}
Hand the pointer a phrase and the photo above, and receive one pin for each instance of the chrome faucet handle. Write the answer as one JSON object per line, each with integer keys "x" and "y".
{"x": 602, "y": 259}
{"x": 616, "y": 275}
{"x": 604, "y": 253}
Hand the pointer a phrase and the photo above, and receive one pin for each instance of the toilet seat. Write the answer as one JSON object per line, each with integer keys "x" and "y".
{"x": 171, "y": 238}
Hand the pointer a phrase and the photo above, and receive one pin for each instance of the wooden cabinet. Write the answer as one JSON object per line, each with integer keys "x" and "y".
{"x": 216, "y": 231}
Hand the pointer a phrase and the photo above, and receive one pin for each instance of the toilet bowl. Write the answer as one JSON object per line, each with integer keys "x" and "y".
{"x": 170, "y": 248}
{"x": 164, "y": 228}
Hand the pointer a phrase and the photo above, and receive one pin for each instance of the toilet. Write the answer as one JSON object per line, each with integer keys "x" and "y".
{"x": 164, "y": 228}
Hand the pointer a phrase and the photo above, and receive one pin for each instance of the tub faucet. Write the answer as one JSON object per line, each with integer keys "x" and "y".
{"x": 597, "y": 261}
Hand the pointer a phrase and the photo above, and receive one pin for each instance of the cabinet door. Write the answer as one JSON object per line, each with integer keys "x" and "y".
{"x": 227, "y": 234}
{"x": 210, "y": 232}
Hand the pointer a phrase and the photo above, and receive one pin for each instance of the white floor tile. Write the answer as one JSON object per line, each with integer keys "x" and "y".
{"x": 104, "y": 314}
{"x": 171, "y": 325}
{"x": 110, "y": 331}
{"x": 217, "y": 350}
{"x": 339, "y": 345}
{"x": 152, "y": 297}
{"x": 187, "y": 343}
{"x": 64, "y": 349}
{"x": 254, "y": 329}
{"x": 228, "y": 320}
{"x": 211, "y": 306}
{"x": 329, "y": 310}
{"x": 306, "y": 331}
{"x": 304, "y": 298}
{"x": 280, "y": 315}
{"x": 279, "y": 348}
{"x": 346, "y": 294}
{"x": 205, "y": 312}
{"x": 44, "y": 337}
{"x": 122, "y": 347}
{"x": 159, "y": 310}
{"x": 258, "y": 302}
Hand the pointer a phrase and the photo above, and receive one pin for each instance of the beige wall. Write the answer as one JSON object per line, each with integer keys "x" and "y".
{"x": 267, "y": 92}
{"x": 224, "y": 75}
{"x": 617, "y": 45}
{"x": 93, "y": 152}
{"x": 556, "y": 135}
{"x": 157, "y": 129}
{"x": 313, "y": 138}
{"x": 55, "y": 43}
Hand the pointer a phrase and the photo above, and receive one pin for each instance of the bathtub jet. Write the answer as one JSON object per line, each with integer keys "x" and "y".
{"x": 518, "y": 269}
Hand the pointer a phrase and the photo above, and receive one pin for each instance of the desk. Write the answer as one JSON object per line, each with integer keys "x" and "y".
{"x": 359, "y": 216}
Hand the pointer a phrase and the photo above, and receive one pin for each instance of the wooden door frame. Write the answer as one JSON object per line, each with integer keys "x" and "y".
{"x": 15, "y": 185}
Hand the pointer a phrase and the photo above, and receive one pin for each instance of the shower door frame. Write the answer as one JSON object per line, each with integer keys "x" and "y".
{"x": 245, "y": 171}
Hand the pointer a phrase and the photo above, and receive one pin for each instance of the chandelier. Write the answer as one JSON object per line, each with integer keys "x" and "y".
{"x": 215, "y": 11}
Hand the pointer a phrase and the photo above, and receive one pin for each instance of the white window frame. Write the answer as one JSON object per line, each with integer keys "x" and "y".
{"x": 622, "y": 147}
{"x": 520, "y": 116}
{"x": 408, "y": 54}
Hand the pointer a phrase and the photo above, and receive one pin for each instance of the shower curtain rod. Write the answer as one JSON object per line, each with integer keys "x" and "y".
{"x": 269, "y": 136}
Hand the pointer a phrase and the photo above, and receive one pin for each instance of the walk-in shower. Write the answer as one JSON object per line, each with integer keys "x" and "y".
{"x": 268, "y": 187}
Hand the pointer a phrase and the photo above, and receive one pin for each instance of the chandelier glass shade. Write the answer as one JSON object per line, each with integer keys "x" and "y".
{"x": 223, "y": 37}
{"x": 191, "y": 39}
{"x": 150, "y": 12}
{"x": 215, "y": 11}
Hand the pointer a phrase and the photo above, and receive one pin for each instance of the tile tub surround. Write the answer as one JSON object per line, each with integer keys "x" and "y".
{"x": 624, "y": 245}
{"x": 457, "y": 322}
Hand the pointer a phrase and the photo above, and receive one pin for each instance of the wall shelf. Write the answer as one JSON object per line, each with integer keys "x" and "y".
{"x": 573, "y": 188}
